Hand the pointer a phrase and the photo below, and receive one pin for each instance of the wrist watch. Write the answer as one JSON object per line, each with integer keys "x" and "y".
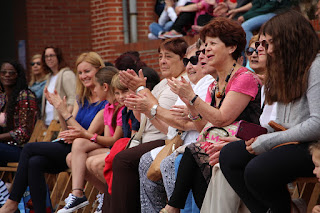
{"x": 193, "y": 100}
{"x": 94, "y": 138}
{"x": 153, "y": 111}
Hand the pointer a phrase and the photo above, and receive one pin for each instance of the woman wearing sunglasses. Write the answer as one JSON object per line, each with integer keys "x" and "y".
{"x": 154, "y": 194}
{"x": 38, "y": 78}
{"x": 235, "y": 96}
{"x": 18, "y": 111}
{"x": 260, "y": 169}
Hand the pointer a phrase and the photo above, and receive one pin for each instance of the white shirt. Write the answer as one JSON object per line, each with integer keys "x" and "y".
{"x": 49, "y": 108}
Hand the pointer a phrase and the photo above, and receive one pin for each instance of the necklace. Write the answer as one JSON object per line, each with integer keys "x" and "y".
{"x": 222, "y": 93}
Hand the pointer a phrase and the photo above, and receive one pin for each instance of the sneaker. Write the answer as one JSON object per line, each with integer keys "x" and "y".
{"x": 74, "y": 203}
{"x": 152, "y": 37}
{"x": 172, "y": 34}
{"x": 100, "y": 201}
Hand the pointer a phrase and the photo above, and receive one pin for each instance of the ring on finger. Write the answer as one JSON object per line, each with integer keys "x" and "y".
{"x": 182, "y": 114}
{"x": 175, "y": 85}
{"x": 134, "y": 107}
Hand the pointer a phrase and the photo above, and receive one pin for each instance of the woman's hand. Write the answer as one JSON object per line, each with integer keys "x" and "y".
{"x": 214, "y": 152}
{"x": 248, "y": 144}
{"x": 182, "y": 88}
{"x": 54, "y": 99}
{"x": 232, "y": 13}
{"x": 316, "y": 209}
{"x": 221, "y": 10}
{"x": 132, "y": 80}
{"x": 180, "y": 112}
{"x": 72, "y": 133}
{"x": 140, "y": 103}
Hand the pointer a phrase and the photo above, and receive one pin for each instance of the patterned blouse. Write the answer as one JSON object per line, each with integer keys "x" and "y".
{"x": 24, "y": 117}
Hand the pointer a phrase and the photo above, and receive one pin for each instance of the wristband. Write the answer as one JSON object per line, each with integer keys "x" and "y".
{"x": 140, "y": 88}
{"x": 195, "y": 118}
{"x": 94, "y": 138}
{"x": 193, "y": 100}
{"x": 68, "y": 118}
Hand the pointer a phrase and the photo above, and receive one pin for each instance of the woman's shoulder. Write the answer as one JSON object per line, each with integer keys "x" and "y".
{"x": 26, "y": 94}
{"x": 245, "y": 74}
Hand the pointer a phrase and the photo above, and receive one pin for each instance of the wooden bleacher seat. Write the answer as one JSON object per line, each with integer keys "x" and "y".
{"x": 307, "y": 188}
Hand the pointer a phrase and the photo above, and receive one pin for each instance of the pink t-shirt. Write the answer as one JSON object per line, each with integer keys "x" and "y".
{"x": 108, "y": 113}
{"x": 243, "y": 81}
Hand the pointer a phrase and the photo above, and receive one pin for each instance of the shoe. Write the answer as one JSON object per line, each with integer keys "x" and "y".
{"x": 74, "y": 203}
{"x": 172, "y": 34}
{"x": 100, "y": 201}
{"x": 152, "y": 37}
{"x": 161, "y": 36}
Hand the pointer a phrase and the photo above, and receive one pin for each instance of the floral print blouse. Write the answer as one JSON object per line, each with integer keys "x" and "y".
{"x": 25, "y": 116}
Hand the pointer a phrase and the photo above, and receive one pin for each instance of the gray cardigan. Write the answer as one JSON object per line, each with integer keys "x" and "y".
{"x": 300, "y": 117}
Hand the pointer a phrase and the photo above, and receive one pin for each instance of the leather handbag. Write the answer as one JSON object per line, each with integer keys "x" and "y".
{"x": 154, "y": 172}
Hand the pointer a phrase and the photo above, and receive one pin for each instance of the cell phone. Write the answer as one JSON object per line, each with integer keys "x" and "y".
{"x": 61, "y": 140}
{"x": 247, "y": 130}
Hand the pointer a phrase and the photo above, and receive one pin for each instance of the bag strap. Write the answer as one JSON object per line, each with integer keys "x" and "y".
{"x": 138, "y": 135}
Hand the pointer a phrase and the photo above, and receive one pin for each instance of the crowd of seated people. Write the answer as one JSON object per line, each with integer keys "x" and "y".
{"x": 204, "y": 95}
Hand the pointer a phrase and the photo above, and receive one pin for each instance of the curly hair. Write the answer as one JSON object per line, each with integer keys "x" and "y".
{"x": 21, "y": 84}
{"x": 61, "y": 62}
{"x": 129, "y": 60}
{"x": 295, "y": 46}
{"x": 228, "y": 31}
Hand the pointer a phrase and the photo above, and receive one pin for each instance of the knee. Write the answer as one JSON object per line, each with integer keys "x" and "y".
{"x": 254, "y": 176}
{"x": 95, "y": 164}
{"x": 145, "y": 162}
{"x": 79, "y": 144}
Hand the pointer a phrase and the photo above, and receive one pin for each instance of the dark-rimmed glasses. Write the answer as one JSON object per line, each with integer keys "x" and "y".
{"x": 251, "y": 50}
{"x": 35, "y": 63}
{"x": 262, "y": 43}
{"x": 193, "y": 60}
{"x": 5, "y": 72}
{"x": 49, "y": 56}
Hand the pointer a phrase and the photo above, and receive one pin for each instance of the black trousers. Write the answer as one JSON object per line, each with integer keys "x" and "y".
{"x": 185, "y": 19}
{"x": 261, "y": 180}
{"x": 36, "y": 159}
{"x": 189, "y": 177}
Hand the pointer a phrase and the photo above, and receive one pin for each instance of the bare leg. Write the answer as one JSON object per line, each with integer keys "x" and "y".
{"x": 170, "y": 209}
{"x": 9, "y": 207}
{"x": 95, "y": 165}
{"x": 80, "y": 149}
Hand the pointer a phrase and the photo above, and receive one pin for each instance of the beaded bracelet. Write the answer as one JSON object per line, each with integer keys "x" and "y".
{"x": 195, "y": 118}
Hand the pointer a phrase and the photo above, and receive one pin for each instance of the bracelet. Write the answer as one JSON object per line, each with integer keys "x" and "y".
{"x": 68, "y": 118}
{"x": 140, "y": 88}
{"x": 94, "y": 138}
{"x": 195, "y": 118}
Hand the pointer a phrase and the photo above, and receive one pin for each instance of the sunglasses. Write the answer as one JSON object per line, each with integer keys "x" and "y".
{"x": 263, "y": 43}
{"x": 193, "y": 60}
{"x": 251, "y": 50}
{"x": 11, "y": 73}
{"x": 35, "y": 63}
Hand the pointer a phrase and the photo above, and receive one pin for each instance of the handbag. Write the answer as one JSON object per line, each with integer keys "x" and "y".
{"x": 154, "y": 172}
{"x": 136, "y": 139}
{"x": 208, "y": 135}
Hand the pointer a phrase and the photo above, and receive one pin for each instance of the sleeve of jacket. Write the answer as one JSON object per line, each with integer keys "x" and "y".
{"x": 69, "y": 86}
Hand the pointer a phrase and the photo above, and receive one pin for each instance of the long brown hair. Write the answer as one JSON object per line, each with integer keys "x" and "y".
{"x": 61, "y": 62}
{"x": 295, "y": 46}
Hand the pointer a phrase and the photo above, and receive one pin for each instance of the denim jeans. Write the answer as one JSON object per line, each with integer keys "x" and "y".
{"x": 156, "y": 28}
{"x": 254, "y": 24}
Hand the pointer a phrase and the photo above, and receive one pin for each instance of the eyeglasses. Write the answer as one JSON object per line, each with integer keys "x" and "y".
{"x": 262, "y": 43}
{"x": 198, "y": 52}
{"x": 193, "y": 60}
{"x": 203, "y": 51}
{"x": 5, "y": 72}
{"x": 49, "y": 56}
{"x": 35, "y": 63}
{"x": 250, "y": 51}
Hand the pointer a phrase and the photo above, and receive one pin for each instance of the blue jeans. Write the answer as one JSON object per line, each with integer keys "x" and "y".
{"x": 156, "y": 28}
{"x": 191, "y": 205}
{"x": 254, "y": 24}
{"x": 9, "y": 153}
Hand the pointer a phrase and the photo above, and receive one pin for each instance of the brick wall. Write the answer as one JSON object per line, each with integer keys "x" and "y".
{"x": 60, "y": 23}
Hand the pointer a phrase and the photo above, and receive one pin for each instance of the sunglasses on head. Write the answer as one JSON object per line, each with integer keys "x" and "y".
{"x": 250, "y": 51}
{"x": 193, "y": 60}
{"x": 35, "y": 63}
{"x": 263, "y": 43}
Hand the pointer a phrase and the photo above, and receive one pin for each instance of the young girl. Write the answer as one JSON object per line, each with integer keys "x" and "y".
{"x": 88, "y": 144}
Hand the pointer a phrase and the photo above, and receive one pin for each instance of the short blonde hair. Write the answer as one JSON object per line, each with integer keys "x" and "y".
{"x": 32, "y": 77}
